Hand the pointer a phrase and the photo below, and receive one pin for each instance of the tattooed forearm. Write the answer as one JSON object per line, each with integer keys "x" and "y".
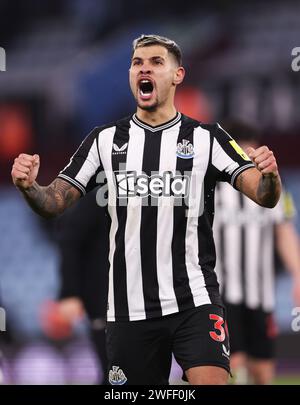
{"x": 52, "y": 200}
{"x": 263, "y": 189}
{"x": 268, "y": 190}
{"x": 240, "y": 183}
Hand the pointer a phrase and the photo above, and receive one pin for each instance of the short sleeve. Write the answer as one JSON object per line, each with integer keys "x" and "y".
{"x": 84, "y": 165}
{"x": 227, "y": 156}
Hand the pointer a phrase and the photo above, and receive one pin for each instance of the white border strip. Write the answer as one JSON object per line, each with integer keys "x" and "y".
{"x": 240, "y": 170}
{"x": 76, "y": 183}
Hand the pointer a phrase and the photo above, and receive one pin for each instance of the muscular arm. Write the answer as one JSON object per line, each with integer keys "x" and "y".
{"x": 262, "y": 184}
{"x": 51, "y": 200}
{"x": 263, "y": 189}
{"x": 47, "y": 201}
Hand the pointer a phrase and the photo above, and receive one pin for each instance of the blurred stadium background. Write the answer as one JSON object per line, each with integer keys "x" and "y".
{"x": 67, "y": 68}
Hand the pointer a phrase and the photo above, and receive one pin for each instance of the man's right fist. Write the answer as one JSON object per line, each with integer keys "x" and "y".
{"x": 25, "y": 170}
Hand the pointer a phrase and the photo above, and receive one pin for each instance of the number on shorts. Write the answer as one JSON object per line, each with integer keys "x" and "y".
{"x": 218, "y": 325}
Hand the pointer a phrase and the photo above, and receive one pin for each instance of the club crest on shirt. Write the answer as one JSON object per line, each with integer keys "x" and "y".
{"x": 185, "y": 150}
{"x": 117, "y": 376}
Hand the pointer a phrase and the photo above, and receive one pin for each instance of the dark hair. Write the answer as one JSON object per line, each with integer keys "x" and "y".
{"x": 241, "y": 131}
{"x": 148, "y": 40}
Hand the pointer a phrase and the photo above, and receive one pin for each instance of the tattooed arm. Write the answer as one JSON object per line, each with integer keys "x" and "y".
{"x": 52, "y": 200}
{"x": 48, "y": 201}
{"x": 262, "y": 184}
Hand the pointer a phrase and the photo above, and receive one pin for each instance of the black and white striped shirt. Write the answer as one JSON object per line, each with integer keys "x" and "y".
{"x": 244, "y": 237}
{"x": 161, "y": 184}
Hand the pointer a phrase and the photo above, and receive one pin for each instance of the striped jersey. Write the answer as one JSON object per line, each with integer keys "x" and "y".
{"x": 244, "y": 237}
{"x": 159, "y": 186}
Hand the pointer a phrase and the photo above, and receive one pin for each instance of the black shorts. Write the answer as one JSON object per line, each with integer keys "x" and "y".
{"x": 252, "y": 331}
{"x": 140, "y": 352}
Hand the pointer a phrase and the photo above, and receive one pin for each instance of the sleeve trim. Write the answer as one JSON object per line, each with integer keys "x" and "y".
{"x": 74, "y": 182}
{"x": 238, "y": 171}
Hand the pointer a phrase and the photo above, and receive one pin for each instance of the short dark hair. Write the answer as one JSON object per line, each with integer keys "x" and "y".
{"x": 169, "y": 44}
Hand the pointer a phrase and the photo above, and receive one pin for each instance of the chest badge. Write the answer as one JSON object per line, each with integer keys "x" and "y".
{"x": 185, "y": 150}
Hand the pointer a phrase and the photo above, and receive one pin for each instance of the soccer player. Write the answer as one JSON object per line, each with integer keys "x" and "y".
{"x": 244, "y": 235}
{"x": 161, "y": 168}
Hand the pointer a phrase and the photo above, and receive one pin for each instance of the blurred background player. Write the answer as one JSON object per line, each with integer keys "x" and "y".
{"x": 245, "y": 234}
{"x": 1, "y": 342}
{"x": 6, "y": 338}
{"x": 83, "y": 245}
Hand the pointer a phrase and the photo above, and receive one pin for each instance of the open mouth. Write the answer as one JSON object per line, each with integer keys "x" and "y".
{"x": 146, "y": 88}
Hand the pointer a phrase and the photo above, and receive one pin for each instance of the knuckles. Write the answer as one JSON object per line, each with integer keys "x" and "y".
{"x": 265, "y": 160}
{"x": 23, "y": 162}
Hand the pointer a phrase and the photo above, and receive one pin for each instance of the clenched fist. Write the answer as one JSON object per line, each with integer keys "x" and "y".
{"x": 25, "y": 170}
{"x": 264, "y": 160}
